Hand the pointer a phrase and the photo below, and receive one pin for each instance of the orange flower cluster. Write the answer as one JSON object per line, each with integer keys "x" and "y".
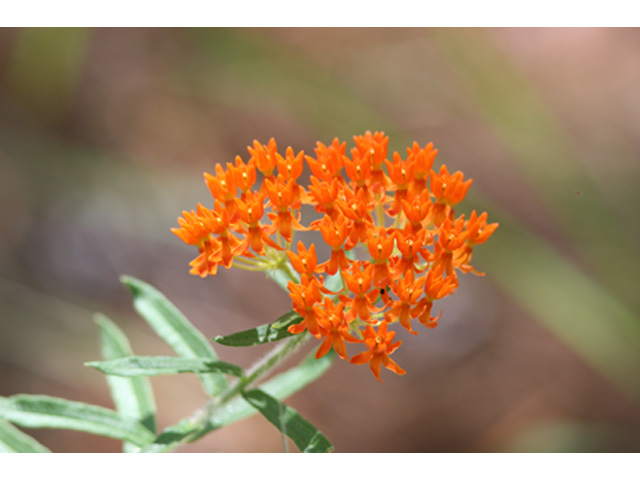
{"x": 398, "y": 212}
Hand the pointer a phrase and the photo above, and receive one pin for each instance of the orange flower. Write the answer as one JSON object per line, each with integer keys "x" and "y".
{"x": 290, "y": 166}
{"x": 380, "y": 248}
{"x": 305, "y": 297}
{"x": 284, "y": 196}
{"x": 222, "y": 187}
{"x": 335, "y": 330}
{"x": 193, "y": 229}
{"x": 415, "y": 245}
{"x": 196, "y": 230}
{"x": 406, "y": 307}
{"x": 305, "y": 262}
{"x": 374, "y": 146}
{"x": 358, "y": 169}
{"x": 401, "y": 175}
{"x": 202, "y": 265}
{"x": 477, "y": 232}
{"x": 264, "y": 157}
{"x": 242, "y": 175}
{"x": 356, "y": 208}
{"x": 417, "y": 210}
{"x": 422, "y": 160}
{"x": 452, "y": 237}
{"x": 436, "y": 286}
{"x": 449, "y": 190}
{"x": 380, "y": 347}
{"x": 329, "y": 161}
{"x": 219, "y": 223}
{"x": 410, "y": 245}
{"x": 358, "y": 282}
{"x": 324, "y": 196}
{"x": 250, "y": 211}
{"x": 335, "y": 234}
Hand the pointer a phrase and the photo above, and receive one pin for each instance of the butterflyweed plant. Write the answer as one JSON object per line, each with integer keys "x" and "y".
{"x": 396, "y": 247}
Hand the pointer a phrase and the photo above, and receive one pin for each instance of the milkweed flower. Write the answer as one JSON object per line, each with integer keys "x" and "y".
{"x": 396, "y": 243}
{"x": 379, "y": 347}
{"x": 336, "y": 330}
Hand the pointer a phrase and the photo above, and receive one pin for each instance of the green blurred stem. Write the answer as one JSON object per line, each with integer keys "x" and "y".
{"x": 380, "y": 215}
{"x": 264, "y": 365}
{"x": 202, "y": 420}
{"x": 285, "y": 267}
{"x": 290, "y": 272}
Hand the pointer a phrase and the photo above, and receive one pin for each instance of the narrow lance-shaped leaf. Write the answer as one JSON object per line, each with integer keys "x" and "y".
{"x": 41, "y": 411}
{"x": 148, "y": 366}
{"x": 306, "y": 437}
{"x": 171, "y": 437}
{"x": 13, "y": 440}
{"x": 174, "y": 328}
{"x": 133, "y": 397}
{"x": 281, "y": 387}
{"x": 263, "y": 334}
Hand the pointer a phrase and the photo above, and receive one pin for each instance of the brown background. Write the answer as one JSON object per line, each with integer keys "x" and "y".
{"x": 105, "y": 133}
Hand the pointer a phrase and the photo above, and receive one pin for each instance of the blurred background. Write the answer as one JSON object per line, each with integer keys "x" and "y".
{"x": 105, "y": 133}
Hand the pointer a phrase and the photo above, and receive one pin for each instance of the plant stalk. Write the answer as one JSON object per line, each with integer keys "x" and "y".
{"x": 201, "y": 420}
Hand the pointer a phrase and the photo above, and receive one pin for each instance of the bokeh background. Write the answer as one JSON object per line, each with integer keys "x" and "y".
{"x": 105, "y": 133}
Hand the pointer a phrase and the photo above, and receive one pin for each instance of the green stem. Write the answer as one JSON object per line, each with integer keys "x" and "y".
{"x": 285, "y": 267}
{"x": 248, "y": 261}
{"x": 264, "y": 365}
{"x": 201, "y": 419}
{"x": 380, "y": 215}
{"x": 247, "y": 267}
{"x": 290, "y": 273}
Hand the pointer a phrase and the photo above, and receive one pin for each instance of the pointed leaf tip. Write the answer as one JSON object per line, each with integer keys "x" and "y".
{"x": 306, "y": 437}
{"x": 133, "y": 397}
{"x": 13, "y": 440}
{"x": 134, "y": 366}
{"x": 263, "y": 334}
{"x": 174, "y": 328}
{"x": 42, "y": 411}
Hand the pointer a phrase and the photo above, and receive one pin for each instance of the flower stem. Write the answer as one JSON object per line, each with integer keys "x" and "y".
{"x": 380, "y": 215}
{"x": 202, "y": 419}
{"x": 264, "y": 365}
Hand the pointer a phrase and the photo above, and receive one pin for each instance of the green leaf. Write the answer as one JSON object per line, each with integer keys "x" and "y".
{"x": 147, "y": 366}
{"x": 133, "y": 397}
{"x": 41, "y": 411}
{"x": 281, "y": 386}
{"x": 262, "y": 334}
{"x": 306, "y": 437}
{"x": 174, "y": 328}
{"x": 172, "y": 436}
{"x": 13, "y": 440}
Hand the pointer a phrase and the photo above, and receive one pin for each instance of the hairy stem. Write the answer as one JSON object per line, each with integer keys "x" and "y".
{"x": 263, "y": 366}
{"x": 202, "y": 420}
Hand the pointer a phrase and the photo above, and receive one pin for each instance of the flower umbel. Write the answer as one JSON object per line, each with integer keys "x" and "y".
{"x": 396, "y": 245}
